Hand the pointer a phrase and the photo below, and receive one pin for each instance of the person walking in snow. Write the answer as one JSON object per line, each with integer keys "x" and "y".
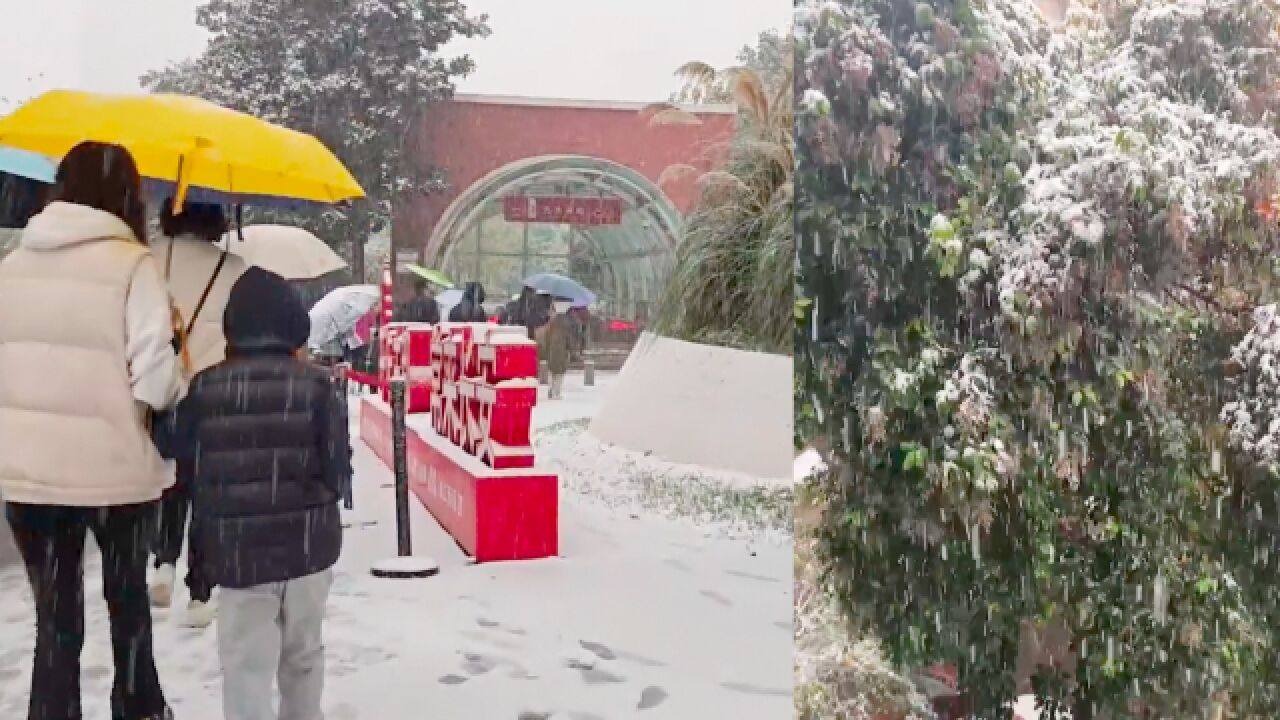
{"x": 422, "y": 308}
{"x": 85, "y": 359}
{"x": 556, "y": 347}
{"x": 272, "y": 458}
{"x": 200, "y": 276}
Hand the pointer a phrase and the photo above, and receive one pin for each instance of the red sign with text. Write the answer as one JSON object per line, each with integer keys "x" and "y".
{"x": 494, "y": 515}
{"x": 563, "y": 209}
{"x": 472, "y": 387}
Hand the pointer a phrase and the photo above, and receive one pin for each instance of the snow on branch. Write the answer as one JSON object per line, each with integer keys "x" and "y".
{"x": 1151, "y": 125}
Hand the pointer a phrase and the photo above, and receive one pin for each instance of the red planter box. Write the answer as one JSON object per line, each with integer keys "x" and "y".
{"x": 494, "y": 514}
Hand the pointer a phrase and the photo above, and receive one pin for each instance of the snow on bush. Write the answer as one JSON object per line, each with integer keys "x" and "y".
{"x": 1150, "y": 143}
{"x": 1254, "y": 419}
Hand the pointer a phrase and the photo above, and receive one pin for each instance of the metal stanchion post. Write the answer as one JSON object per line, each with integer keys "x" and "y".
{"x": 404, "y": 544}
{"x": 589, "y": 373}
{"x": 341, "y": 372}
{"x": 404, "y": 565}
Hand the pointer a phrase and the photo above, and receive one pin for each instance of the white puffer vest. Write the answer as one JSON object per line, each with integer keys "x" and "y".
{"x": 71, "y": 431}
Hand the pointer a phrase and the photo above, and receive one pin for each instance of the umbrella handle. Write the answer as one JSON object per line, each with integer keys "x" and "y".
{"x": 180, "y": 191}
{"x": 184, "y": 172}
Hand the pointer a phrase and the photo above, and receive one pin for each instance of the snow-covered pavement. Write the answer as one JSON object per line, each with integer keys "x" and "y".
{"x": 642, "y": 616}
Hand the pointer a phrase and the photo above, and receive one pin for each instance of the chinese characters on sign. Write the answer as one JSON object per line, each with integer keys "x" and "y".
{"x": 563, "y": 209}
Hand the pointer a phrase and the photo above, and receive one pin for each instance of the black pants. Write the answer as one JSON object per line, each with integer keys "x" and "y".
{"x": 51, "y": 540}
{"x": 172, "y": 530}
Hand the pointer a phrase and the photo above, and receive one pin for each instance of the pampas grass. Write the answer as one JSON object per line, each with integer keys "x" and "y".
{"x": 734, "y": 269}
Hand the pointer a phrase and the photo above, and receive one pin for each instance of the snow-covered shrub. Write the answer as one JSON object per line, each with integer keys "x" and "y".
{"x": 1024, "y": 259}
{"x": 1149, "y": 155}
{"x": 840, "y": 672}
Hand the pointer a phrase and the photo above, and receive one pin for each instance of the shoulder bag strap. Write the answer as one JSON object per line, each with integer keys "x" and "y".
{"x": 222, "y": 260}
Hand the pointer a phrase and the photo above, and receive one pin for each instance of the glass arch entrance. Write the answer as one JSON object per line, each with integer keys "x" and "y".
{"x": 625, "y": 264}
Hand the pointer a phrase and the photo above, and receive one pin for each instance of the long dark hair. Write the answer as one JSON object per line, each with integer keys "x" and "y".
{"x": 104, "y": 177}
{"x": 205, "y": 221}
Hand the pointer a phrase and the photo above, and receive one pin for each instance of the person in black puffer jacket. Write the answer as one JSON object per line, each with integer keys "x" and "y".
{"x": 272, "y": 458}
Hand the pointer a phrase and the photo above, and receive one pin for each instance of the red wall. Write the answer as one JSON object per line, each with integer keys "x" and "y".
{"x": 471, "y": 139}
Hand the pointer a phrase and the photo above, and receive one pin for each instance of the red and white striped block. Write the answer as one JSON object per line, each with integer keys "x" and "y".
{"x": 503, "y": 415}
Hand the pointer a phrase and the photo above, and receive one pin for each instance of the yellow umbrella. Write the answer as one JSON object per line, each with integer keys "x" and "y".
{"x": 187, "y": 141}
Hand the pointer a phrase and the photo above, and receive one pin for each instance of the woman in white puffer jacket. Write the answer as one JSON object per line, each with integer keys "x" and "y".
{"x": 86, "y": 352}
{"x": 200, "y": 276}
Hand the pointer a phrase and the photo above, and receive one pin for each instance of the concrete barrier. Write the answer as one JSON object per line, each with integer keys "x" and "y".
{"x": 703, "y": 405}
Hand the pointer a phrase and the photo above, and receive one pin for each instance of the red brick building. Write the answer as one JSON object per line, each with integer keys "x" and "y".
{"x": 493, "y": 147}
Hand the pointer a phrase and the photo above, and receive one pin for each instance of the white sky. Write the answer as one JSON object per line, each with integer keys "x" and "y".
{"x": 590, "y": 49}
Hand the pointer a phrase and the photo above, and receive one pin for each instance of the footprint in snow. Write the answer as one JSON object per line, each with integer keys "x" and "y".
{"x": 596, "y": 676}
{"x": 717, "y": 597}
{"x": 639, "y": 659}
{"x": 452, "y": 679}
{"x": 600, "y": 651}
{"x": 651, "y": 697}
{"x": 478, "y": 664}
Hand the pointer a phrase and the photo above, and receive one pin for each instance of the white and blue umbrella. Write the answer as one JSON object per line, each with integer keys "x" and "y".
{"x": 29, "y": 165}
{"x": 561, "y": 287}
{"x": 447, "y": 300}
{"x": 336, "y": 315}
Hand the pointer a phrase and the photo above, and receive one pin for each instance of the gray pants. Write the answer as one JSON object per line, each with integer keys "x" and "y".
{"x": 557, "y": 387}
{"x": 268, "y": 631}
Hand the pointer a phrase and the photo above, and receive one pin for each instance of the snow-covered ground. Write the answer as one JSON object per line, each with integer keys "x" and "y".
{"x": 651, "y": 612}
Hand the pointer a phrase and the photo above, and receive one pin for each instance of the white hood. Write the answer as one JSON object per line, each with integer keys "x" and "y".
{"x": 62, "y": 224}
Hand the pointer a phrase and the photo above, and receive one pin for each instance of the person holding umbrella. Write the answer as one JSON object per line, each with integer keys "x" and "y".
{"x": 517, "y": 310}
{"x": 200, "y": 276}
{"x": 83, "y": 363}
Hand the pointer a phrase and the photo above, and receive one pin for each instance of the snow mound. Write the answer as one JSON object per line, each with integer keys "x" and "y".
{"x": 704, "y": 405}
